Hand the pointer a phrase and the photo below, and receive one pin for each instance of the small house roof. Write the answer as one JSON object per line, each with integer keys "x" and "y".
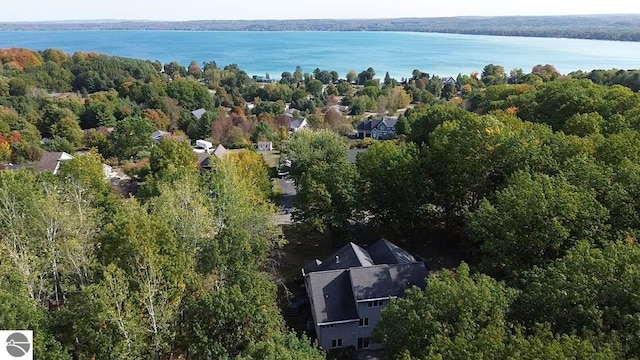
{"x": 50, "y": 161}
{"x": 159, "y": 135}
{"x": 220, "y": 151}
{"x": 198, "y": 113}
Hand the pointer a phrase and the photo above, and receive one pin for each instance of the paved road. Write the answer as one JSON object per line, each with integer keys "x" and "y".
{"x": 286, "y": 201}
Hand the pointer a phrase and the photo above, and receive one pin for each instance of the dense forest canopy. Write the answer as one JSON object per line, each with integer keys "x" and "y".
{"x": 532, "y": 175}
{"x": 603, "y": 27}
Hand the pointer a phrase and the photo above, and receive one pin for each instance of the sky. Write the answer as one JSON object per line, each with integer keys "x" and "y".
{"x": 46, "y": 10}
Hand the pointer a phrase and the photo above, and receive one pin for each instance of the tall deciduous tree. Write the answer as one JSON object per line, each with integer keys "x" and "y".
{"x": 131, "y": 136}
{"x": 536, "y": 218}
{"x": 392, "y": 186}
{"x": 327, "y": 195}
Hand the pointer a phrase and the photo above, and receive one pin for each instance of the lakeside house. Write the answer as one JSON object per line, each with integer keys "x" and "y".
{"x": 348, "y": 290}
{"x": 379, "y": 129}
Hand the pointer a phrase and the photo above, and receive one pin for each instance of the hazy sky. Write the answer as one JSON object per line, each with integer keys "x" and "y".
{"x": 37, "y": 10}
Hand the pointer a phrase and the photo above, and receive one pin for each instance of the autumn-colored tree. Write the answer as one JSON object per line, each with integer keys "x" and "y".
{"x": 19, "y": 58}
{"x": 195, "y": 70}
{"x": 158, "y": 118}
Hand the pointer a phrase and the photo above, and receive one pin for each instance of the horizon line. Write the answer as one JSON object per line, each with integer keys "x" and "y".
{"x": 103, "y": 21}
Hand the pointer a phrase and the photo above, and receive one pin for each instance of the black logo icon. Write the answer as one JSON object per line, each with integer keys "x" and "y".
{"x": 18, "y": 345}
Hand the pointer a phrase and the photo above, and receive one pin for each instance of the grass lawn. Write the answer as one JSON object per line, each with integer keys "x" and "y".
{"x": 271, "y": 158}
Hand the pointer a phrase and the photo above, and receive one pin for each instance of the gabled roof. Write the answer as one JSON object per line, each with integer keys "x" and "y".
{"x": 389, "y": 122}
{"x": 350, "y": 275}
{"x": 350, "y": 255}
{"x": 373, "y": 124}
{"x": 198, "y": 113}
{"x": 297, "y": 123}
{"x": 220, "y": 151}
{"x": 332, "y": 297}
{"x": 448, "y": 80}
{"x": 379, "y": 281}
{"x": 265, "y": 143}
{"x": 384, "y": 251}
{"x": 50, "y": 161}
{"x": 159, "y": 135}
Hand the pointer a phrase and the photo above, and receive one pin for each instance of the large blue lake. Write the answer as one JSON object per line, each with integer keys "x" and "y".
{"x": 397, "y": 53}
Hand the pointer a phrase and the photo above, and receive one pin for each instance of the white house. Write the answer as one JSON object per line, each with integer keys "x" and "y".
{"x": 265, "y": 146}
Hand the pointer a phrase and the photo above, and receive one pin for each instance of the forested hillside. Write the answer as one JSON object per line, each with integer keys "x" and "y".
{"x": 603, "y": 27}
{"x": 532, "y": 175}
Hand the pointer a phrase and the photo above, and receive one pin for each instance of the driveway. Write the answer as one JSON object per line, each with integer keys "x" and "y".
{"x": 286, "y": 201}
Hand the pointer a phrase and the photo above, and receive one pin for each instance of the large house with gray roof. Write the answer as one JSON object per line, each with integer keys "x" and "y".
{"x": 379, "y": 129}
{"x": 348, "y": 290}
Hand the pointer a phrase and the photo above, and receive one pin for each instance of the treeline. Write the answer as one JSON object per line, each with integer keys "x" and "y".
{"x": 603, "y": 27}
{"x": 180, "y": 272}
{"x": 535, "y": 181}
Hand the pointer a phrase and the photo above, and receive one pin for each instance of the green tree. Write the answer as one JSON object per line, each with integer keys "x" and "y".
{"x": 169, "y": 156}
{"x": 69, "y": 129}
{"x": 352, "y": 76}
{"x": 589, "y": 292}
{"x": 453, "y": 308}
{"x": 306, "y": 148}
{"x": 584, "y": 124}
{"x": 131, "y": 136}
{"x": 190, "y": 94}
{"x": 326, "y": 196}
{"x": 283, "y": 347}
{"x": 392, "y": 187}
{"x": 493, "y": 75}
{"x": 156, "y": 269}
{"x": 223, "y": 322}
{"x": 314, "y": 87}
{"x": 535, "y": 219}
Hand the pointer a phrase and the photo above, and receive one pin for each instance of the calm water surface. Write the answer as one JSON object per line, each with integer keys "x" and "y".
{"x": 395, "y": 52}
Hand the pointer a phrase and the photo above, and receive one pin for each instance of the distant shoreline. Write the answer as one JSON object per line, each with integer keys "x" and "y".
{"x": 589, "y": 27}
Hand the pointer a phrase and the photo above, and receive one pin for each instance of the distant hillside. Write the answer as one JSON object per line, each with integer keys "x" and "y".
{"x": 604, "y": 27}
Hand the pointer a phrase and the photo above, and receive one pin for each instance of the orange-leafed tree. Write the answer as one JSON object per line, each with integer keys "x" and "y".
{"x": 158, "y": 118}
{"x": 20, "y": 58}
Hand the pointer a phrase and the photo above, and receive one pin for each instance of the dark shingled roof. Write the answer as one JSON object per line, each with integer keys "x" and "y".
{"x": 385, "y": 280}
{"x": 354, "y": 274}
{"x": 372, "y": 124}
{"x": 332, "y": 297}
{"x": 384, "y": 251}
{"x": 348, "y": 256}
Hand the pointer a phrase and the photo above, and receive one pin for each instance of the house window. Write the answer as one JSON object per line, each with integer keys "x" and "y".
{"x": 364, "y": 322}
{"x": 336, "y": 343}
{"x": 363, "y": 343}
{"x": 376, "y": 303}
